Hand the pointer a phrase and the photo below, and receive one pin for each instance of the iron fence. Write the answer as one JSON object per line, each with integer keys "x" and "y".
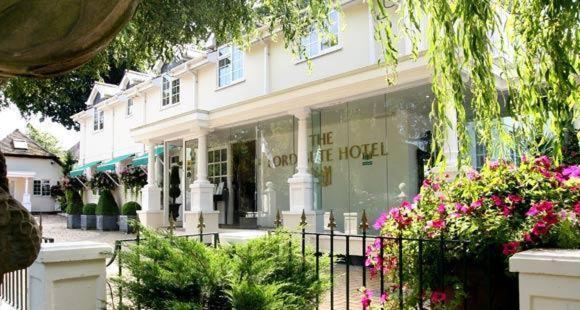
{"x": 14, "y": 286}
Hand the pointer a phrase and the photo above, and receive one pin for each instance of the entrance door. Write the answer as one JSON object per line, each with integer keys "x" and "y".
{"x": 244, "y": 183}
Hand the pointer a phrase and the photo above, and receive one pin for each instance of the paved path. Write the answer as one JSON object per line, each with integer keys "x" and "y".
{"x": 54, "y": 226}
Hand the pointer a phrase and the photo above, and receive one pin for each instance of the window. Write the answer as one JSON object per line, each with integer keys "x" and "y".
{"x": 98, "y": 119}
{"x": 315, "y": 45}
{"x": 171, "y": 90}
{"x": 41, "y": 187}
{"x": 217, "y": 166}
{"x": 130, "y": 107}
{"x": 20, "y": 144}
{"x": 230, "y": 65}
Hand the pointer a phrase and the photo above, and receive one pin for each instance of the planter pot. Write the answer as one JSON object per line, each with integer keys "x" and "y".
{"x": 107, "y": 222}
{"x": 88, "y": 222}
{"x": 124, "y": 224}
{"x": 73, "y": 221}
{"x": 174, "y": 208}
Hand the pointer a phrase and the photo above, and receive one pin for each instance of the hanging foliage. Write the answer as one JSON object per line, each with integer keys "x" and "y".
{"x": 104, "y": 180}
{"x": 74, "y": 183}
{"x": 530, "y": 45}
{"x": 133, "y": 179}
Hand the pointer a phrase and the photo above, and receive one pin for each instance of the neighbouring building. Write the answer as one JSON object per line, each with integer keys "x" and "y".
{"x": 255, "y": 132}
{"x": 32, "y": 170}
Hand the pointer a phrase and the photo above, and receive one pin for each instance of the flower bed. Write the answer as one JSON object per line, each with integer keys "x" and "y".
{"x": 501, "y": 210}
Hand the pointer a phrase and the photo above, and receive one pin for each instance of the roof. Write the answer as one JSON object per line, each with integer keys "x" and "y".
{"x": 33, "y": 149}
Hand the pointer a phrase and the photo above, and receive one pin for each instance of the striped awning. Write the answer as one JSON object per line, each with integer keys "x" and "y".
{"x": 110, "y": 165}
{"x": 81, "y": 169}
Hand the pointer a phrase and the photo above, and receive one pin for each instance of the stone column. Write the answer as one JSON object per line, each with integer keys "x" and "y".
{"x": 201, "y": 194}
{"x": 301, "y": 184}
{"x": 69, "y": 275}
{"x": 151, "y": 214}
{"x": 26, "y": 197}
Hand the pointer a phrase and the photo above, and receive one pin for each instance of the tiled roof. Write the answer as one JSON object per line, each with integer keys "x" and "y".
{"x": 33, "y": 150}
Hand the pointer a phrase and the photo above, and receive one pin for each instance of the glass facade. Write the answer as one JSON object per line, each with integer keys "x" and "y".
{"x": 365, "y": 154}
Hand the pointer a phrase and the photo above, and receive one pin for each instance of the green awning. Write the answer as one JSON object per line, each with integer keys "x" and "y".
{"x": 143, "y": 159}
{"x": 81, "y": 170}
{"x": 110, "y": 165}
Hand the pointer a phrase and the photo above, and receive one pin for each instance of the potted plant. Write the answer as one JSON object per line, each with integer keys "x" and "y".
{"x": 128, "y": 213}
{"x": 88, "y": 218}
{"x": 107, "y": 212}
{"x": 174, "y": 191}
{"x": 104, "y": 180}
{"x": 133, "y": 179}
{"x": 74, "y": 209}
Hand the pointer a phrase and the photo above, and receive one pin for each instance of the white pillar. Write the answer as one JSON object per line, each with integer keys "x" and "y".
{"x": 69, "y": 275}
{"x": 201, "y": 194}
{"x": 26, "y": 197}
{"x": 151, "y": 214}
{"x": 301, "y": 184}
{"x": 548, "y": 278}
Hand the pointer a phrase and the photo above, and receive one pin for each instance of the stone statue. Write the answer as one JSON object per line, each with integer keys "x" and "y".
{"x": 41, "y": 39}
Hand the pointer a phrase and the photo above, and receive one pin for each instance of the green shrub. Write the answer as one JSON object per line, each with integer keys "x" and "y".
{"x": 130, "y": 208}
{"x": 74, "y": 202}
{"x": 107, "y": 204}
{"x": 170, "y": 272}
{"x": 89, "y": 209}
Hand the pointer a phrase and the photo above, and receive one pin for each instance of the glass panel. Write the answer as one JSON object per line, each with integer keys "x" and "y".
{"x": 175, "y": 178}
{"x": 275, "y": 143}
{"x": 190, "y": 171}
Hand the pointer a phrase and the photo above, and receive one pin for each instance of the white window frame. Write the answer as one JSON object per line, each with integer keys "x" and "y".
{"x": 98, "y": 119}
{"x": 170, "y": 91}
{"x": 314, "y": 38}
{"x": 236, "y": 66}
{"x": 130, "y": 107}
{"x": 216, "y": 178}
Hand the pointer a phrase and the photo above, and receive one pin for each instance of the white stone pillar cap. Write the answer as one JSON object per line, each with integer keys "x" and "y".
{"x": 565, "y": 262}
{"x": 73, "y": 251}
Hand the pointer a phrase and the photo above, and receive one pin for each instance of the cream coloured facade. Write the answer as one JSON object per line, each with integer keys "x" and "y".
{"x": 278, "y": 137}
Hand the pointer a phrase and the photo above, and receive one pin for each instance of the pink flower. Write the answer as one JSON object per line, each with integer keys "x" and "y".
{"x": 497, "y": 201}
{"x": 438, "y": 297}
{"x": 384, "y": 297}
{"x": 510, "y": 248}
{"x": 550, "y": 218}
{"x": 380, "y": 221}
{"x": 461, "y": 207}
{"x": 417, "y": 198}
{"x": 543, "y": 161}
{"x": 515, "y": 198}
{"x": 506, "y": 211}
{"x": 577, "y": 207}
{"x": 366, "y": 298}
{"x": 473, "y": 175}
{"x": 407, "y": 205}
{"x": 441, "y": 208}
{"x": 426, "y": 183}
{"x": 527, "y": 238}
{"x": 476, "y": 204}
{"x": 493, "y": 165}
{"x": 540, "y": 228}
{"x": 437, "y": 224}
{"x": 436, "y": 186}
{"x": 571, "y": 172}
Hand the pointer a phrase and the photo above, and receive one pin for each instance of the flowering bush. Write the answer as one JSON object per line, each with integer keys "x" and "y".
{"x": 501, "y": 210}
{"x": 73, "y": 183}
{"x": 104, "y": 180}
{"x": 133, "y": 178}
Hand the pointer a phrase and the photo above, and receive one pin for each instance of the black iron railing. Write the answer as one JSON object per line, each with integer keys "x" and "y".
{"x": 14, "y": 286}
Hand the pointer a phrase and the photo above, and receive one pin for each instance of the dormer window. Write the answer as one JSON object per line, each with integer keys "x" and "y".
{"x": 315, "y": 45}
{"x": 20, "y": 144}
{"x": 171, "y": 91}
{"x": 230, "y": 65}
{"x": 98, "y": 119}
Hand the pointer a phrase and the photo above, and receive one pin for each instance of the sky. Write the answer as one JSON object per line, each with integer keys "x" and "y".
{"x": 10, "y": 119}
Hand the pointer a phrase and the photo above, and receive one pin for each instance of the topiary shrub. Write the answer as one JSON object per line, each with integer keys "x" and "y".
{"x": 130, "y": 208}
{"x": 107, "y": 204}
{"x": 89, "y": 209}
{"x": 74, "y": 202}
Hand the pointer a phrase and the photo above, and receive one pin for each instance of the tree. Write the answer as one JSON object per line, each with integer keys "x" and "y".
{"x": 537, "y": 54}
{"x": 46, "y": 140}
